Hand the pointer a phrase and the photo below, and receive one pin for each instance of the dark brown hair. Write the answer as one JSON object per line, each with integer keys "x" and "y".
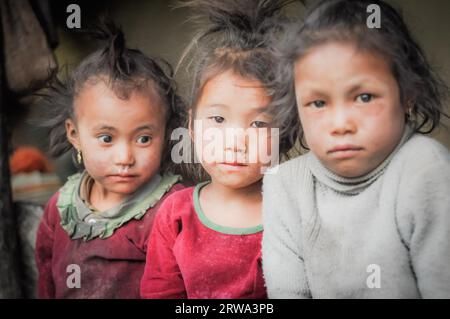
{"x": 346, "y": 20}
{"x": 235, "y": 35}
{"x": 124, "y": 70}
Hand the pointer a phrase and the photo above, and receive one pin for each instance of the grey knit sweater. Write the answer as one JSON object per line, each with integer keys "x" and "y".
{"x": 383, "y": 235}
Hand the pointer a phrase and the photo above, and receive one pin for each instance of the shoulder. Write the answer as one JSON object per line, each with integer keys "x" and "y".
{"x": 72, "y": 180}
{"x": 172, "y": 198}
{"x": 286, "y": 174}
{"x": 65, "y": 193}
{"x": 51, "y": 207}
{"x": 425, "y": 149}
{"x": 50, "y": 218}
{"x": 281, "y": 191}
{"x": 59, "y": 201}
{"x": 52, "y": 201}
{"x": 175, "y": 188}
{"x": 423, "y": 165}
{"x": 177, "y": 203}
{"x": 171, "y": 191}
{"x": 154, "y": 208}
{"x": 423, "y": 155}
{"x": 179, "y": 193}
{"x": 423, "y": 203}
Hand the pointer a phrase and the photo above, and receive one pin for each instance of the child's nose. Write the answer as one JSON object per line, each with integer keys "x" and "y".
{"x": 342, "y": 121}
{"x": 124, "y": 155}
{"x": 236, "y": 139}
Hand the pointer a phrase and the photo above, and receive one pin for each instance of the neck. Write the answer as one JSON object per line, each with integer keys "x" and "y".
{"x": 232, "y": 207}
{"x": 103, "y": 199}
{"x": 248, "y": 193}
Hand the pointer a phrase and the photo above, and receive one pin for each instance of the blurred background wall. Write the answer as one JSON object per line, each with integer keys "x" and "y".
{"x": 155, "y": 28}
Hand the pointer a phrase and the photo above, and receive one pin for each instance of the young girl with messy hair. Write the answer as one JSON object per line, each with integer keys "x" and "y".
{"x": 366, "y": 213}
{"x": 114, "y": 113}
{"x": 207, "y": 239}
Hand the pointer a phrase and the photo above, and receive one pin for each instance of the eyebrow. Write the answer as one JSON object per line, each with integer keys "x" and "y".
{"x": 103, "y": 127}
{"x": 217, "y": 105}
{"x": 314, "y": 91}
{"x": 354, "y": 89}
{"x": 256, "y": 109}
{"x": 149, "y": 127}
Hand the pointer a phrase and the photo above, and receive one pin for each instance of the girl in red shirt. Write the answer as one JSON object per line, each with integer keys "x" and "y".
{"x": 113, "y": 114}
{"x": 206, "y": 241}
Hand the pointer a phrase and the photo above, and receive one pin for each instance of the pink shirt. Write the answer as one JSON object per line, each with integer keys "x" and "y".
{"x": 191, "y": 257}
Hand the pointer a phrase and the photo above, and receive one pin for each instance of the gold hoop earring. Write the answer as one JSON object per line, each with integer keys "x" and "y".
{"x": 79, "y": 157}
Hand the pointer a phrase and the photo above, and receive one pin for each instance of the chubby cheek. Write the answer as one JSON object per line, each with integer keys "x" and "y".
{"x": 314, "y": 128}
{"x": 210, "y": 145}
{"x": 96, "y": 161}
{"x": 211, "y": 169}
{"x": 268, "y": 156}
{"x": 383, "y": 125}
{"x": 148, "y": 160}
{"x": 98, "y": 168}
{"x": 150, "y": 156}
{"x": 209, "y": 152}
{"x": 255, "y": 173}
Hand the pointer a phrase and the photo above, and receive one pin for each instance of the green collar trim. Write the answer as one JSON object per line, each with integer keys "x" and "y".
{"x": 211, "y": 225}
{"x": 103, "y": 228}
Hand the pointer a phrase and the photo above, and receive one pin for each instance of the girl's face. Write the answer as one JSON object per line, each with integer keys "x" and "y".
{"x": 349, "y": 106}
{"x": 121, "y": 140}
{"x": 230, "y": 127}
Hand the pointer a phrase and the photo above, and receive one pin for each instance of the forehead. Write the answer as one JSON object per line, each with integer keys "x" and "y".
{"x": 339, "y": 63}
{"x": 232, "y": 91}
{"x": 96, "y": 102}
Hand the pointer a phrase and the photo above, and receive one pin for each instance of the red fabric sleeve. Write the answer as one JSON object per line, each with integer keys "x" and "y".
{"x": 162, "y": 278}
{"x": 44, "y": 251}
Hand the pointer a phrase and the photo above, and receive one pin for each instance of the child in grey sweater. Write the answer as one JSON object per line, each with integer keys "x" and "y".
{"x": 366, "y": 213}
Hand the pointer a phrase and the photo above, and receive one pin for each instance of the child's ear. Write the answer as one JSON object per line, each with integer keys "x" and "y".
{"x": 72, "y": 134}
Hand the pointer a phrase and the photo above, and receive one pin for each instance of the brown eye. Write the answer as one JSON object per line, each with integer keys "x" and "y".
{"x": 144, "y": 139}
{"x": 105, "y": 138}
{"x": 217, "y": 119}
{"x": 364, "y": 98}
{"x": 259, "y": 124}
{"x": 317, "y": 104}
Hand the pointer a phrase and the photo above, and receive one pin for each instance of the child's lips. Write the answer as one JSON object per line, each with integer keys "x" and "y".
{"x": 233, "y": 166}
{"x": 122, "y": 177}
{"x": 344, "y": 151}
{"x": 233, "y": 163}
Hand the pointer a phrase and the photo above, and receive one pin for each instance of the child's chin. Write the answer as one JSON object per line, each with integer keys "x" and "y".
{"x": 237, "y": 182}
{"x": 124, "y": 189}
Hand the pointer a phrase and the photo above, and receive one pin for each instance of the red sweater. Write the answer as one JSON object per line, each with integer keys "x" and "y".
{"x": 188, "y": 259}
{"x": 109, "y": 268}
